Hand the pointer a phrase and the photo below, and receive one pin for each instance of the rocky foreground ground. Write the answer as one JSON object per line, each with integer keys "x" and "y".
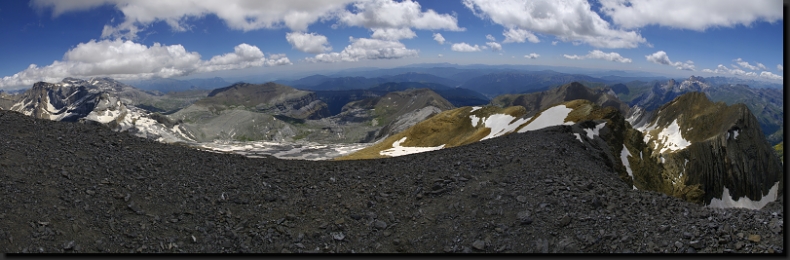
{"x": 71, "y": 187}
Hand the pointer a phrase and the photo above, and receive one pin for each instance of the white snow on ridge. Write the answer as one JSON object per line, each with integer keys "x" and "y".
{"x": 736, "y": 134}
{"x": 398, "y": 150}
{"x": 500, "y": 124}
{"x": 475, "y": 108}
{"x": 591, "y": 133}
{"x": 578, "y": 136}
{"x": 550, "y": 117}
{"x": 671, "y": 138}
{"x": 624, "y": 154}
{"x": 475, "y": 120}
{"x": 744, "y": 202}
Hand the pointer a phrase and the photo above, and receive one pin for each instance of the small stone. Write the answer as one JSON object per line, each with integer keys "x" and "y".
{"x": 90, "y": 192}
{"x": 686, "y": 235}
{"x": 696, "y": 244}
{"x": 340, "y": 221}
{"x": 479, "y": 245}
{"x": 380, "y": 224}
{"x": 338, "y": 236}
{"x": 740, "y": 235}
{"x": 69, "y": 245}
{"x": 521, "y": 199}
{"x": 663, "y": 228}
{"x": 356, "y": 216}
{"x": 739, "y": 245}
{"x": 678, "y": 244}
{"x": 754, "y": 238}
{"x": 691, "y": 250}
{"x": 565, "y": 220}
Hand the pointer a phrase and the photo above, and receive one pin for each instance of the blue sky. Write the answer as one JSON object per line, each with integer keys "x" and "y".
{"x": 128, "y": 39}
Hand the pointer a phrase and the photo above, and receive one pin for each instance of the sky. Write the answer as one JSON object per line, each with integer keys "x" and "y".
{"x": 47, "y": 40}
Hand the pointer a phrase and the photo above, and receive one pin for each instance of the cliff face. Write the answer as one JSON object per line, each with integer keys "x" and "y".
{"x": 715, "y": 146}
{"x": 61, "y": 102}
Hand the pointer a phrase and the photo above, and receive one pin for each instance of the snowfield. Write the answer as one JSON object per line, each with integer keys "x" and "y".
{"x": 550, "y": 117}
{"x": 501, "y": 124}
{"x": 671, "y": 138}
{"x": 398, "y": 150}
{"x": 591, "y": 133}
{"x": 624, "y": 154}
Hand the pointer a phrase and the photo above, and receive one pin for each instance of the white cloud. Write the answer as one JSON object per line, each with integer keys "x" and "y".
{"x": 532, "y": 56}
{"x": 438, "y": 38}
{"x": 128, "y": 60}
{"x": 464, "y": 47}
{"x": 494, "y": 46}
{"x": 392, "y": 34}
{"x": 366, "y": 49}
{"x": 769, "y": 75}
{"x": 661, "y": 57}
{"x": 568, "y": 20}
{"x": 490, "y": 37}
{"x": 391, "y": 14}
{"x": 721, "y": 69}
{"x": 597, "y": 54}
{"x": 746, "y": 65}
{"x": 693, "y": 15}
{"x": 519, "y": 35}
{"x": 554, "y": 43}
{"x": 308, "y": 42}
{"x": 440, "y": 55}
{"x": 245, "y": 15}
{"x": 780, "y": 68}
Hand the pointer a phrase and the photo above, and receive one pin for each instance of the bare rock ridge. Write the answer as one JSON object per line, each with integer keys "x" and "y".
{"x": 726, "y": 148}
{"x": 690, "y": 149}
{"x": 71, "y": 187}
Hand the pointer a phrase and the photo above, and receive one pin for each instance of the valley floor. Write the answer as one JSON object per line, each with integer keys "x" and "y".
{"x": 70, "y": 187}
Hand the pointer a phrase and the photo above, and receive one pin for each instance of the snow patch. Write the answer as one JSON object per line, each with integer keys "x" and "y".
{"x": 550, "y": 117}
{"x": 501, "y": 124}
{"x": 593, "y": 132}
{"x": 398, "y": 150}
{"x": 578, "y": 136}
{"x": 475, "y": 108}
{"x": 735, "y": 134}
{"x": 624, "y": 154}
{"x": 672, "y": 138}
{"x": 475, "y": 120}
{"x": 744, "y": 202}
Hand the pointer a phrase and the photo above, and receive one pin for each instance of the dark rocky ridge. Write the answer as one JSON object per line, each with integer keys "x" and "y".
{"x": 746, "y": 164}
{"x": 71, "y": 187}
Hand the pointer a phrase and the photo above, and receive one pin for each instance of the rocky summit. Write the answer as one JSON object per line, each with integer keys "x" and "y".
{"x": 74, "y": 187}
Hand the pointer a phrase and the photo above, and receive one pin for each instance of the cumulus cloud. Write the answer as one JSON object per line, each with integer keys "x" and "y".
{"x": 721, "y": 69}
{"x": 128, "y": 60}
{"x": 554, "y": 42}
{"x": 519, "y": 35}
{"x": 308, "y": 42}
{"x": 769, "y": 75}
{"x": 693, "y": 15}
{"x": 746, "y": 65}
{"x": 494, "y": 46}
{"x": 245, "y": 15}
{"x": 661, "y": 57}
{"x": 490, "y": 37}
{"x": 464, "y": 47}
{"x": 532, "y": 56}
{"x": 597, "y": 54}
{"x": 392, "y": 34}
{"x": 568, "y": 20}
{"x": 392, "y": 14}
{"x": 366, "y": 49}
{"x": 780, "y": 68}
{"x": 440, "y": 55}
{"x": 438, "y": 38}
